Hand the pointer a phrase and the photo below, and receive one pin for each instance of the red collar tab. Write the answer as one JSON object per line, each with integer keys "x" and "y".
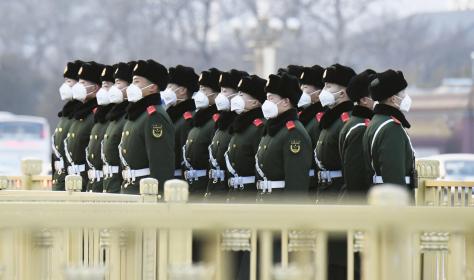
{"x": 94, "y": 110}
{"x": 290, "y": 125}
{"x": 216, "y": 117}
{"x": 257, "y": 122}
{"x": 396, "y": 120}
{"x": 187, "y": 115}
{"x": 319, "y": 116}
{"x": 151, "y": 110}
{"x": 366, "y": 122}
{"x": 345, "y": 117}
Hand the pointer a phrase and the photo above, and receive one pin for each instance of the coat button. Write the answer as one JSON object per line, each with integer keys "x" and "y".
{"x": 56, "y": 147}
{"x": 90, "y": 136}
{"x": 81, "y": 120}
{"x": 68, "y": 134}
{"x": 265, "y": 147}
{"x": 127, "y": 132}
{"x": 105, "y": 136}
{"x": 60, "y": 129}
{"x": 95, "y": 136}
{"x": 233, "y": 146}
{"x": 73, "y": 135}
{"x": 92, "y": 156}
{"x": 124, "y": 151}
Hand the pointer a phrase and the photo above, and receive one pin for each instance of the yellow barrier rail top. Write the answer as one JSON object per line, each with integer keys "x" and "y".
{"x": 441, "y": 183}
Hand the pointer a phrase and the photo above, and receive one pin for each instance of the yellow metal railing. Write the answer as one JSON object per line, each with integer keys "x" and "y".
{"x": 53, "y": 235}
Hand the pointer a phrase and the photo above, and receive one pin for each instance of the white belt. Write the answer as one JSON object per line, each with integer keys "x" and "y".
{"x": 311, "y": 173}
{"x": 109, "y": 170}
{"x": 379, "y": 180}
{"x": 239, "y": 182}
{"x": 76, "y": 169}
{"x": 267, "y": 186}
{"x": 131, "y": 174}
{"x": 178, "y": 173}
{"x": 327, "y": 176}
{"x": 194, "y": 174}
{"x": 217, "y": 175}
{"x": 94, "y": 174}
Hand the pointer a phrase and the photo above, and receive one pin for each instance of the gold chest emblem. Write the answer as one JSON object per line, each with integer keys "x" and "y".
{"x": 157, "y": 130}
{"x": 295, "y": 146}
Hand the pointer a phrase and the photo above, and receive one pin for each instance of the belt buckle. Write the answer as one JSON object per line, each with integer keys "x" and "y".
{"x": 328, "y": 176}
{"x": 128, "y": 174}
{"x": 240, "y": 182}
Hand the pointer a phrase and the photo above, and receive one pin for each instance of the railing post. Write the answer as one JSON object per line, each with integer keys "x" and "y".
{"x": 44, "y": 243}
{"x": 149, "y": 194}
{"x": 427, "y": 170}
{"x": 177, "y": 192}
{"x": 29, "y": 168}
{"x": 3, "y": 183}
{"x": 73, "y": 183}
{"x": 266, "y": 254}
{"x": 394, "y": 251}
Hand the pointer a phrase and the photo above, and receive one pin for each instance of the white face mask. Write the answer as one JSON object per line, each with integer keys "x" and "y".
{"x": 79, "y": 91}
{"x": 201, "y": 100}
{"x": 237, "y": 104}
{"x": 405, "y": 104}
{"x": 270, "y": 109}
{"x": 169, "y": 97}
{"x": 115, "y": 95}
{"x": 134, "y": 93}
{"x": 327, "y": 98}
{"x": 65, "y": 91}
{"x": 102, "y": 97}
{"x": 305, "y": 99}
{"x": 223, "y": 102}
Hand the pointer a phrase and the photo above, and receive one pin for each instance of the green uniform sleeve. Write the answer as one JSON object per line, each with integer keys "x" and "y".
{"x": 297, "y": 162}
{"x": 353, "y": 168}
{"x": 389, "y": 150}
{"x": 159, "y": 141}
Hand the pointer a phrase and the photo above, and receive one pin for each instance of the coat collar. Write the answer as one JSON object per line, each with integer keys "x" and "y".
{"x": 69, "y": 108}
{"x": 308, "y": 114}
{"x": 203, "y": 115}
{"x": 85, "y": 109}
{"x": 177, "y": 111}
{"x": 242, "y": 121}
{"x": 100, "y": 115}
{"x": 362, "y": 112}
{"x": 135, "y": 109}
{"x": 334, "y": 114}
{"x": 386, "y": 110}
{"x": 225, "y": 119}
{"x": 274, "y": 125}
{"x": 118, "y": 111}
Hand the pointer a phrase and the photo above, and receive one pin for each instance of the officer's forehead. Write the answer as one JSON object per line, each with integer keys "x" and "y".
{"x": 139, "y": 78}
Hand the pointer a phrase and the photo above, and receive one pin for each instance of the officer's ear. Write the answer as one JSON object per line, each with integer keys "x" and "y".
{"x": 154, "y": 88}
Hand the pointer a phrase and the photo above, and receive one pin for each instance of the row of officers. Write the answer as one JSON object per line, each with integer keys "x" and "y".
{"x": 322, "y": 133}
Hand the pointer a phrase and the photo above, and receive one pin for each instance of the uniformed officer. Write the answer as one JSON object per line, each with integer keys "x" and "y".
{"x": 311, "y": 111}
{"x": 335, "y": 78}
{"x": 93, "y": 149}
{"x": 147, "y": 145}
{"x": 247, "y": 130}
{"x": 389, "y": 154}
{"x": 78, "y": 135}
{"x": 116, "y": 117}
{"x": 59, "y": 162}
{"x": 195, "y": 151}
{"x": 228, "y": 81}
{"x": 283, "y": 159}
{"x": 350, "y": 137}
{"x": 180, "y": 106}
